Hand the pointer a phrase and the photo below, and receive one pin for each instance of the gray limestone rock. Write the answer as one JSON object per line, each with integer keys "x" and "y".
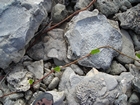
{"x": 58, "y": 97}
{"x": 122, "y": 100}
{"x": 80, "y": 4}
{"x": 96, "y": 88}
{"x": 116, "y": 68}
{"x": 136, "y": 72}
{"x": 18, "y": 78}
{"x": 134, "y": 1}
{"x": 59, "y": 12}
{"x": 54, "y": 83}
{"x": 37, "y": 68}
{"x": 77, "y": 69}
{"x": 53, "y": 46}
{"x": 130, "y": 19}
{"x": 136, "y": 40}
{"x": 136, "y": 83}
{"x": 134, "y": 99}
{"x": 14, "y": 99}
{"x": 83, "y": 35}
{"x": 110, "y": 7}
{"x": 47, "y": 80}
{"x": 20, "y": 102}
{"x": 19, "y": 20}
{"x": 127, "y": 48}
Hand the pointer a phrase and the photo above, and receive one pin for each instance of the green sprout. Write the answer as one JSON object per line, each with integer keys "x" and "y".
{"x": 95, "y": 51}
{"x": 57, "y": 69}
{"x": 31, "y": 81}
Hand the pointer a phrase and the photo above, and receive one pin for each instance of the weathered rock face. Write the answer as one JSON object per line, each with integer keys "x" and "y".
{"x": 19, "y": 20}
{"x": 110, "y": 7}
{"x": 130, "y": 19}
{"x": 96, "y": 87}
{"x": 88, "y": 31}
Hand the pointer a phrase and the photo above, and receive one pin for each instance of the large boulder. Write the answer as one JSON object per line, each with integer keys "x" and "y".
{"x": 88, "y": 31}
{"x": 19, "y": 20}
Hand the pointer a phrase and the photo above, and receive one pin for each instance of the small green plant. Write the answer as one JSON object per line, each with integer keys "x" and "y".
{"x": 31, "y": 81}
{"x": 138, "y": 55}
{"x": 57, "y": 69}
{"x": 95, "y": 51}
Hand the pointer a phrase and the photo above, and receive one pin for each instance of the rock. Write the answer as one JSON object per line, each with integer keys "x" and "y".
{"x": 59, "y": 12}
{"x": 127, "y": 48}
{"x": 58, "y": 97}
{"x": 111, "y": 7}
{"x": 116, "y": 68}
{"x": 20, "y": 102}
{"x": 34, "y": 96}
{"x": 125, "y": 83}
{"x": 80, "y": 4}
{"x": 122, "y": 100}
{"x": 130, "y": 19}
{"x": 36, "y": 86}
{"x": 28, "y": 95}
{"x": 95, "y": 88}
{"x": 19, "y": 22}
{"x": 136, "y": 83}
{"x": 82, "y": 39}
{"x": 77, "y": 69}
{"x": 54, "y": 83}
{"x": 47, "y": 80}
{"x": 134, "y": 99}
{"x": 19, "y": 78}
{"x": 37, "y": 68}
{"x": 46, "y": 50}
{"x": 65, "y": 78}
{"x": 14, "y": 99}
{"x": 136, "y": 40}
{"x": 134, "y": 1}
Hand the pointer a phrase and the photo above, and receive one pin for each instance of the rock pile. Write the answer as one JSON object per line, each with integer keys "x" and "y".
{"x": 106, "y": 78}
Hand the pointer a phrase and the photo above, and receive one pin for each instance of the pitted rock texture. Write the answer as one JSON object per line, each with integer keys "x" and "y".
{"x": 96, "y": 87}
{"x": 130, "y": 19}
{"x": 19, "y": 79}
{"x": 88, "y": 31}
{"x": 19, "y": 20}
{"x": 110, "y": 7}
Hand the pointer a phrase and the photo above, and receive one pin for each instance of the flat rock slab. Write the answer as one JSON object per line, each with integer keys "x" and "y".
{"x": 88, "y": 31}
{"x": 19, "y": 20}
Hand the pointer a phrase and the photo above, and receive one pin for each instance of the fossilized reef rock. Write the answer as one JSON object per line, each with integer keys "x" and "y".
{"x": 19, "y": 20}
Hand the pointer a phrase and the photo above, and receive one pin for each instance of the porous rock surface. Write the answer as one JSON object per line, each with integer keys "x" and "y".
{"x": 96, "y": 87}
{"x": 19, "y": 20}
{"x": 110, "y": 7}
{"x": 88, "y": 31}
{"x": 130, "y": 19}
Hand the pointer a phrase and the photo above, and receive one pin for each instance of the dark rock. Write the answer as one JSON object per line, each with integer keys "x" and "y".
{"x": 110, "y": 7}
{"x": 130, "y": 19}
